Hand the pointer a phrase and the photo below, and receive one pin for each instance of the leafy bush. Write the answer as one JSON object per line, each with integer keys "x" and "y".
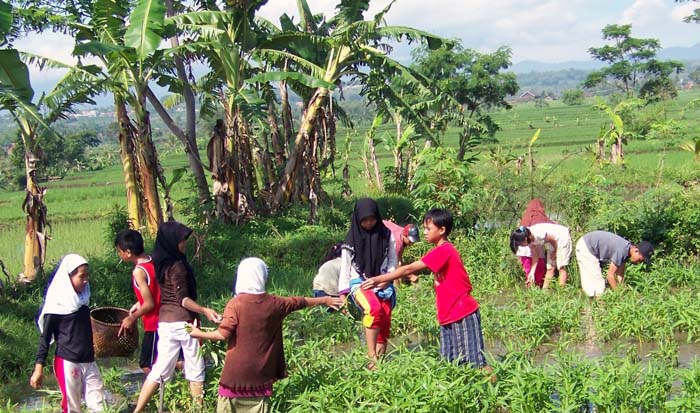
{"x": 441, "y": 181}
{"x": 572, "y": 97}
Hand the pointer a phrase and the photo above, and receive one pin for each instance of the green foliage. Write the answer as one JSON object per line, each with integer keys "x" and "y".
{"x": 442, "y": 181}
{"x": 572, "y": 97}
{"x": 632, "y": 65}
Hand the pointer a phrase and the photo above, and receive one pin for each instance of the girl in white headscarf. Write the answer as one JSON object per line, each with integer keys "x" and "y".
{"x": 252, "y": 324}
{"x": 65, "y": 319}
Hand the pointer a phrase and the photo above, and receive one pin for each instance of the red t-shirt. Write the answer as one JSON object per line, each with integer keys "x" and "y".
{"x": 150, "y": 319}
{"x": 452, "y": 287}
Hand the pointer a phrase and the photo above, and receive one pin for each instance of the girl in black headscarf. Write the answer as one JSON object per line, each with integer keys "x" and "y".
{"x": 178, "y": 305}
{"x": 368, "y": 251}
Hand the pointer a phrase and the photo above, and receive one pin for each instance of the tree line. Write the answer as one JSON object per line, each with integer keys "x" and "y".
{"x": 259, "y": 156}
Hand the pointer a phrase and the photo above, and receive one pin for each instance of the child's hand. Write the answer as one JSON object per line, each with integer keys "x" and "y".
{"x": 530, "y": 280}
{"x": 191, "y": 329}
{"x": 368, "y": 284}
{"x": 334, "y": 302}
{"x": 127, "y": 323}
{"x": 212, "y": 315}
{"x": 37, "y": 376}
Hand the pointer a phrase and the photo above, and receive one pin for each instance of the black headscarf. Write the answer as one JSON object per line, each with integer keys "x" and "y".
{"x": 370, "y": 247}
{"x": 166, "y": 253}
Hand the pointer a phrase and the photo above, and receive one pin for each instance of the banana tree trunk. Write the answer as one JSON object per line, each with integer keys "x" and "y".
{"x": 398, "y": 156}
{"x": 35, "y": 210}
{"x": 129, "y": 164}
{"x": 286, "y": 118}
{"x": 375, "y": 164}
{"x": 616, "y": 154}
{"x": 278, "y": 144}
{"x": 218, "y": 165}
{"x": 285, "y": 185}
{"x": 148, "y": 167}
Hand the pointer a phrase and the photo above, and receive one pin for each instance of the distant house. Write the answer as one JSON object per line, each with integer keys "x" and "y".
{"x": 527, "y": 96}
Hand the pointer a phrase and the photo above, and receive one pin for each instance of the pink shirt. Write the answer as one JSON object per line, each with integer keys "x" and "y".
{"x": 397, "y": 232}
{"x": 452, "y": 287}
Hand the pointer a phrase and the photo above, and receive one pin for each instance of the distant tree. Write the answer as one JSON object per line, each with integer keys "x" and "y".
{"x": 476, "y": 82}
{"x": 695, "y": 16}
{"x": 632, "y": 65}
{"x": 572, "y": 97}
{"x": 694, "y": 76}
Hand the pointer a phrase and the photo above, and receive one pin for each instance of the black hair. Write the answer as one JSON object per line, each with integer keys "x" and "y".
{"x": 441, "y": 218}
{"x": 522, "y": 233}
{"x": 130, "y": 240}
{"x": 333, "y": 252}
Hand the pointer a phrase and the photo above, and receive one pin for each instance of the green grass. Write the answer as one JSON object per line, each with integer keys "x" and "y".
{"x": 534, "y": 337}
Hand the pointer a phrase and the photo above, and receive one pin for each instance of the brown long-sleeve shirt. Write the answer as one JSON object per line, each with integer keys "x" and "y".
{"x": 253, "y": 325}
{"x": 173, "y": 290}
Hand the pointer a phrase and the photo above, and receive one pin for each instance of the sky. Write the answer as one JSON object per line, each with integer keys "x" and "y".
{"x": 550, "y": 31}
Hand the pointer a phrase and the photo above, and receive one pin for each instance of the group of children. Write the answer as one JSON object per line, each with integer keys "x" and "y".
{"x": 538, "y": 236}
{"x": 365, "y": 264}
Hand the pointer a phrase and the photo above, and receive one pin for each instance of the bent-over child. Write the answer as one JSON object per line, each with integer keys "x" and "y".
{"x": 326, "y": 280}
{"x": 461, "y": 337}
{"x": 603, "y": 246}
{"x": 65, "y": 319}
{"x": 129, "y": 245}
{"x": 252, "y": 324}
{"x": 557, "y": 237}
{"x": 368, "y": 251}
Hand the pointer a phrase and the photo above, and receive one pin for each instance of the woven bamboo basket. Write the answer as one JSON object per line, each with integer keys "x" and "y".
{"x": 105, "y": 326}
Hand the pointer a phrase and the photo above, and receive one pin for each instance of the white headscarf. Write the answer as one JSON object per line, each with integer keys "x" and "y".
{"x": 61, "y": 298}
{"x": 251, "y": 276}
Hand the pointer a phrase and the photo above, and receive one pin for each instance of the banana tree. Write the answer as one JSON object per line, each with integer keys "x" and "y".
{"x": 352, "y": 48}
{"x": 34, "y": 122}
{"x": 129, "y": 53}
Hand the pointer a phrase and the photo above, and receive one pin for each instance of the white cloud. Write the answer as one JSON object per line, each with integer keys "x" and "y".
{"x": 662, "y": 20}
{"x": 545, "y": 30}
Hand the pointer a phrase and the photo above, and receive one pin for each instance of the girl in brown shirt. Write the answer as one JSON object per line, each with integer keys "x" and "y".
{"x": 252, "y": 324}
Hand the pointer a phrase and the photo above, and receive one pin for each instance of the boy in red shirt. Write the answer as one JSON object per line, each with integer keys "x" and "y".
{"x": 461, "y": 338}
{"x": 129, "y": 244}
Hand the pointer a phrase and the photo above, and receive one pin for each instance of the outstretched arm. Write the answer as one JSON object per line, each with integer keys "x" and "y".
{"x": 402, "y": 271}
{"x": 332, "y": 302}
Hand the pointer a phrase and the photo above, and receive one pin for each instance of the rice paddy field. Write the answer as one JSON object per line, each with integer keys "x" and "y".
{"x": 634, "y": 350}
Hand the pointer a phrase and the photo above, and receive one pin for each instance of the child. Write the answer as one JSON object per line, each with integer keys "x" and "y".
{"x": 536, "y": 236}
{"x": 602, "y": 246}
{"x": 326, "y": 279}
{"x": 252, "y": 324}
{"x": 129, "y": 244}
{"x": 368, "y": 250}
{"x": 65, "y": 319}
{"x": 404, "y": 236}
{"x": 178, "y": 305}
{"x": 461, "y": 338}
{"x": 534, "y": 214}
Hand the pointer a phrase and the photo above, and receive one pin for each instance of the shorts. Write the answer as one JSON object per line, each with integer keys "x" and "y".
{"x": 376, "y": 312}
{"x": 149, "y": 350}
{"x": 243, "y": 405}
{"x": 172, "y": 338}
{"x": 592, "y": 281}
{"x": 462, "y": 342}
